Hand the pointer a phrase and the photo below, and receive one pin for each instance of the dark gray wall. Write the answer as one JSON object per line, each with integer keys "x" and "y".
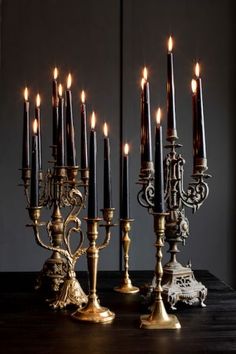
{"x": 83, "y": 36}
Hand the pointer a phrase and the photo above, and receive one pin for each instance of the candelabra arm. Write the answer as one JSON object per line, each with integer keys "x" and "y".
{"x": 197, "y": 192}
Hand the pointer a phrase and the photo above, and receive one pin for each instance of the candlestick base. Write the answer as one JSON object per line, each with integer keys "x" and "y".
{"x": 179, "y": 284}
{"x": 70, "y": 293}
{"x": 159, "y": 319}
{"x": 93, "y": 312}
{"x": 126, "y": 287}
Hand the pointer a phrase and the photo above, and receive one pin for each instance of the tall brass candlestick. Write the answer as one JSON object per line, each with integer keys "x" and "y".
{"x": 126, "y": 286}
{"x": 159, "y": 318}
{"x": 93, "y": 311}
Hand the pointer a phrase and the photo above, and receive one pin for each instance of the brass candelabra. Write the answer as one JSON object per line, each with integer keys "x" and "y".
{"x": 126, "y": 286}
{"x": 159, "y": 319}
{"x": 93, "y": 311}
{"x": 59, "y": 188}
{"x": 179, "y": 283}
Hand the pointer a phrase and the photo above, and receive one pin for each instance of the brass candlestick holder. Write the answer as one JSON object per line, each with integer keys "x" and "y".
{"x": 59, "y": 188}
{"x": 159, "y": 319}
{"x": 126, "y": 286}
{"x": 179, "y": 283}
{"x": 70, "y": 292}
{"x": 93, "y": 311}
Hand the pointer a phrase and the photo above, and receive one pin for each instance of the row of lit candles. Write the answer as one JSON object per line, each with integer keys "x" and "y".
{"x": 199, "y": 144}
{"x": 199, "y": 150}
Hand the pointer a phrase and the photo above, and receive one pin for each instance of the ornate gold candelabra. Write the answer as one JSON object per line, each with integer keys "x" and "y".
{"x": 59, "y": 189}
{"x": 93, "y": 311}
{"x": 179, "y": 283}
{"x": 159, "y": 319}
{"x": 126, "y": 286}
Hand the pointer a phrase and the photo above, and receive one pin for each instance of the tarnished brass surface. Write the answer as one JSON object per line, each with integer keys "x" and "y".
{"x": 126, "y": 286}
{"x": 159, "y": 319}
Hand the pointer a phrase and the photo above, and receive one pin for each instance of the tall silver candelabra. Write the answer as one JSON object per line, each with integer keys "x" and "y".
{"x": 179, "y": 283}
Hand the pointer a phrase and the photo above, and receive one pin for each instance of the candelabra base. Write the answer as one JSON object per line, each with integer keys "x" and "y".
{"x": 94, "y": 313}
{"x": 52, "y": 275}
{"x": 159, "y": 318}
{"x": 70, "y": 293}
{"x": 179, "y": 284}
{"x": 126, "y": 287}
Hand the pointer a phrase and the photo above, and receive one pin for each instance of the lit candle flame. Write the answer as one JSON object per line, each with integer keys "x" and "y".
{"x": 26, "y": 94}
{"x": 145, "y": 73}
{"x": 197, "y": 69}
{"x": 83, "y": 96}
{"x": 142, "y": 83}
{"x": 93, "y": 120}
{"x": 38, "y": 100}
{"x": 60, "y": 90}
{"x": 194, "y": 85}
{"x": 35, "y": 126}
{"x": 69, "y": 81}
{"x": 55, "y": 73}
{"x": 105, "y": 129}
{"x": 170, "y": 44}
{"x": 126, "y": 149}
{"x": 158, "y": 116}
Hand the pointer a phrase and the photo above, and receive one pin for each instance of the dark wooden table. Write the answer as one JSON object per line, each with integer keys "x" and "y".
{"x": 27, "y": 325}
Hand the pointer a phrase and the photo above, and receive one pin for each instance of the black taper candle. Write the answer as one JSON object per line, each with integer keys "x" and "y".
{"x": 55, "y": 109}
{"x": 200, "y": 116}
{"x": 92, "y": 192}
{"x": 26, "y": 133}
{"x": 107, "y": 193}
{"x": 61, "y": 132}
{"x": 70, "y": 131}
{"x": 38, "y": 117}
{"x": 195, "y": 124}
{"x": 34, "y": 190}
{"x": 146, "y": 144}
{"x": 159, "y": 206}
{"x": 171, "y": 117}
{"x": 84, "y": 143}
{"x": 125, "y": 205}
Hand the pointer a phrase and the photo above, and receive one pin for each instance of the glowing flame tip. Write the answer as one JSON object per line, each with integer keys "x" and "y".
{"x": 69, "y": 81}
{"x": 126, "y": 149}
{"x": 197, "y": 69}
{"x": 105, "y": 129}
{"x": 145, "y": 73}
{"x": 26, "y": 94}
{"x": 93, "y": 120}
{"x": 170, "y": 44}
{"x": 60, "y": 89}
{"x": 194, "y": 85}
{"x": 35, "y": 126}
{"x": 55, "y": 73}
{"x": 158, "y": 116}
{"x": 38, "y": 100}
{"x": 83, "y": 96}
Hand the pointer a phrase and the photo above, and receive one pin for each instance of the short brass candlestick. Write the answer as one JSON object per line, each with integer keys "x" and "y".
{"x": 93, "y": 311}
{"x": 159, "y": 319}
{"x": 126, "y": 286}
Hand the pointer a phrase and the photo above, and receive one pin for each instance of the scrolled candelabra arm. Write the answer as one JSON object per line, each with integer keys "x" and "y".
{"x": 146, "y": 194}
{"x": 197, "y": 191}
{"x": 126, "y": 286}
{"x": 93, "y": 311}
{"x": 159, "y": 319}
